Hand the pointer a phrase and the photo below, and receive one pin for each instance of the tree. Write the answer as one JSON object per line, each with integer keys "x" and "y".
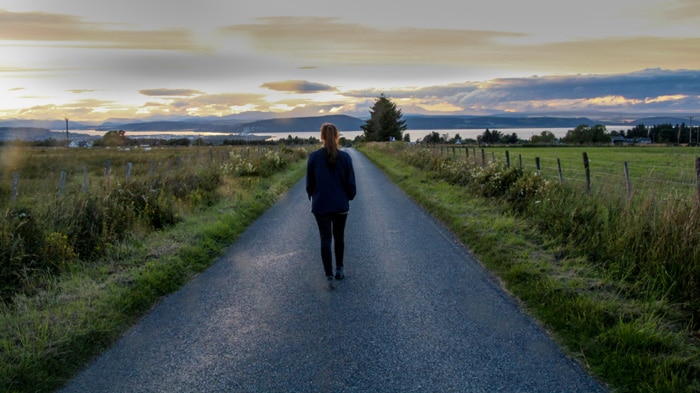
{"x": 496, "y": 136}
{"x": 385, "y": 121}
{"x": 544, "y": 137}
{"x": 639, "y": 131}
{"x": 584, "y": 134}
{"x": 115, "y": 138}
{"x": 432, "y": 138}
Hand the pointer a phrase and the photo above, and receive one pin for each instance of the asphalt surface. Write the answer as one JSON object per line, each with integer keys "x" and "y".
{"x": 415, "y": 313}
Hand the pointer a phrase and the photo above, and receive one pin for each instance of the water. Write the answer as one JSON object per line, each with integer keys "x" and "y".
{"x": 466, "y": 133}
{"x": 416, "y": 135}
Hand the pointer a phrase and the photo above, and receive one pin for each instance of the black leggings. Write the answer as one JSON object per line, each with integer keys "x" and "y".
{"x": 331, "y": 227}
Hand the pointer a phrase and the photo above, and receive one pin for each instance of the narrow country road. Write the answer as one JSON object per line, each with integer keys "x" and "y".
{"x": 416, "y": 313}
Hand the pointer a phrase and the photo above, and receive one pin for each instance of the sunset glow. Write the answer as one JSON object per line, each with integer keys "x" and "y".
{"x": 92, "y": 62}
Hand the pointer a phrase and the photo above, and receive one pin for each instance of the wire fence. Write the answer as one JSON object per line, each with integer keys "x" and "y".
{"x": 665, "y": 172}
{"x": 84, "y": 173}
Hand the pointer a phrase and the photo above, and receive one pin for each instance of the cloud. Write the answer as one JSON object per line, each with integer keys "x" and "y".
{"x": 329, "y": 40}
{"x": 642, "y": 91}
{"x": 298, "y": 86}
{"x": 170, "y": 92}
{"x": 69, "y": 30}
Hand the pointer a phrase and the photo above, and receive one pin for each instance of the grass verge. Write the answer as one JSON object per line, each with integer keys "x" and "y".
{"x": 48, "y": 337}
{"x": 628, "y": 341}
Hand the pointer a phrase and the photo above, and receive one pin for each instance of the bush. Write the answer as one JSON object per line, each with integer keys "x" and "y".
{"x": 21, "y": 242}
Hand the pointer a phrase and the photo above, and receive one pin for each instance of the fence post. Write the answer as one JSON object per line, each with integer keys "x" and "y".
{"x": 61, "y": 183}
{"x": 483, "y": 157}
{"x": 520, "y": 161}
{"x": 85, "y": 178}
{"x": 588, "y": 171}
{"x": 537, "y": 165}
{"x": 128, "y": 171}
{"x": 493, "y": 157}
{"x": 15, "y": 187}
{"x": 108, "y": 172}
{"x": 561, "y": 175}
{"x": 507, "y": 159}
{"x": 627, "y": 179}
{"x": 697, "y": 176}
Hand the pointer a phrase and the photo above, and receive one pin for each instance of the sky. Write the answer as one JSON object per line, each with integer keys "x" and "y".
{"x": 94, "y": 60}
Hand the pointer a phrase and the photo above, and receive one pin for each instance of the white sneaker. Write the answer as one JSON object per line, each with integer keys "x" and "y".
{"x": 330, "y": 284}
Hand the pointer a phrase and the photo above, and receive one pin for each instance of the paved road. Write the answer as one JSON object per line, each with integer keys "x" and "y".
{"x": 415, "y": 313}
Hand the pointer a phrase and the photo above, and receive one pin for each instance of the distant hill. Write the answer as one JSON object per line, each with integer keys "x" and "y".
{"x": 235, "y": 124}
{"x": 463, "y": 122}
{"x": 49, "y": 124}
{"x": 298, "y": 124}
{"x": 26, "y": 133}
{"x": 158, "y": 126}
{"x": 652, "y": 121}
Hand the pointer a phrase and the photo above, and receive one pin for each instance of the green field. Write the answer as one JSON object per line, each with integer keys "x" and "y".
{"x": 666, "y": 170}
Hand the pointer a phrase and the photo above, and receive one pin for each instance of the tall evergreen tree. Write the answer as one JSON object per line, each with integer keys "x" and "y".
{"x": 384, "y": 122}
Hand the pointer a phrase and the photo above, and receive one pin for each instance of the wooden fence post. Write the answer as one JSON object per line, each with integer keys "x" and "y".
{"x": 520, "y": 161}
{"x": 108, "y": 172}
{"x": 85, "y": 178}
{"x": 697, "y": 176}
{"x": 507, "y": 159}
{"x": 537, "y": 165}
{"x": 61, "y": 183}
{"x": 561, "y": 175}
{"x": 588, "y": 171}
{"x": 128, "y": 172}
{"x": 15, "y": 187}
{"x": 627, "y": 179}
{"x": 483, "y": 157}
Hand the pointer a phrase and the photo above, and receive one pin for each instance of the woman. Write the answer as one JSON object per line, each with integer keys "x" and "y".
{"x": 330, "y": 184}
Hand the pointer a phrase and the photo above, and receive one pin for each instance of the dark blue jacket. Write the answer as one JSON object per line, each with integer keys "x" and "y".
{"x": 330, "y": 187}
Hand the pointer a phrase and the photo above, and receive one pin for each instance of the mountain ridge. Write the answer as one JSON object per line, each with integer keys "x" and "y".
{"x": 234, "y": 124}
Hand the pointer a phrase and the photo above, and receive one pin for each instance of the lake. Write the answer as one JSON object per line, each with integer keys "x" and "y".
{"x": 466, "y": 133}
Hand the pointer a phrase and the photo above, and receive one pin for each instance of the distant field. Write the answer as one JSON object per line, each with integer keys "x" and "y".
{"x": 667, "y": 170}
{"x": 39, "y": 169}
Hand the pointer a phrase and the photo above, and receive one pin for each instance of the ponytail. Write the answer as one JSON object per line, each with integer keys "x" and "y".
{"x": 329, "y": 137}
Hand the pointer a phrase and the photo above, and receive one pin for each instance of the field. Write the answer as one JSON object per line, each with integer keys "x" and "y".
{"x": 659, "y": 170}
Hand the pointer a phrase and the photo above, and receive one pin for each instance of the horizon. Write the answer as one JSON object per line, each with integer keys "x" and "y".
{"x": 93, "y": 62}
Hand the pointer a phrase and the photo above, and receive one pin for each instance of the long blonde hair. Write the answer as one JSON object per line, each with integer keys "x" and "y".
{"x": 329, "y": 137}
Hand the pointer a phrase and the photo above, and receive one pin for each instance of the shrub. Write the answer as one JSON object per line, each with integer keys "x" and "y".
{"x": 21, "y": 240}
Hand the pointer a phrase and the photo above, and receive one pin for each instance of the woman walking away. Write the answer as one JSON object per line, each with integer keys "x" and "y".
{"x": 330, "y": 184}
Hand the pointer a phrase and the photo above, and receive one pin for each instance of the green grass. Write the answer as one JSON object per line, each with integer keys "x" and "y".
{"x": 49, "y": 335}
{"x": 628, "y": 334}
{"x": 671, "y": 169}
